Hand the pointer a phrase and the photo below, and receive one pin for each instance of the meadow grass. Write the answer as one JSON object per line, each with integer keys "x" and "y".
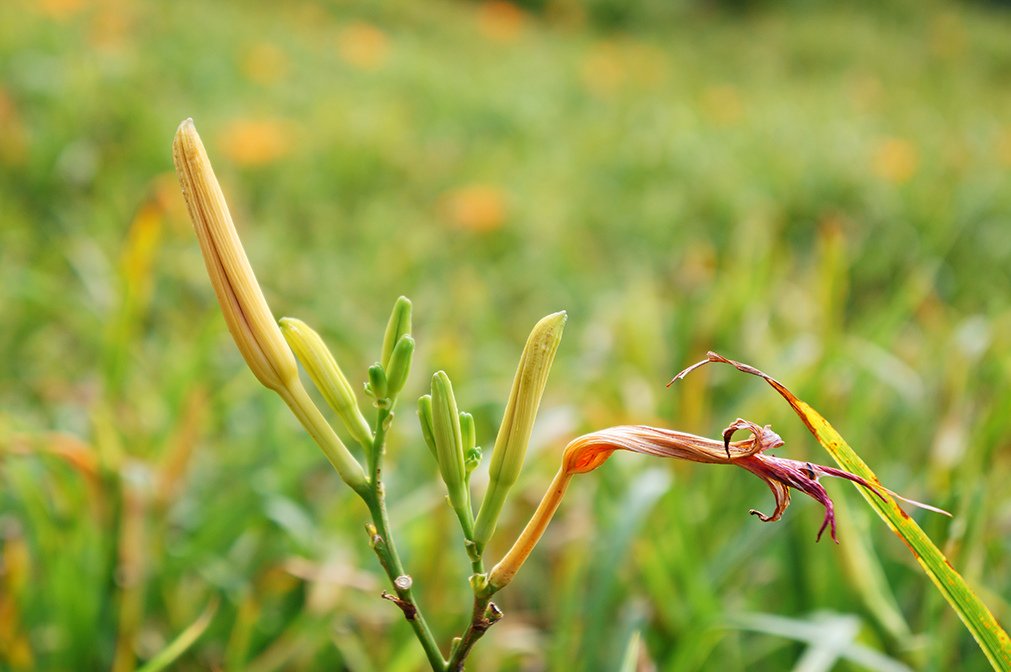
{"x": 822, "y": 193}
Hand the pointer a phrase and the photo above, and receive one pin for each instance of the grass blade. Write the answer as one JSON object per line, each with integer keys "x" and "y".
{"x": 183, "y": 641}
{"x": 630, "y": 660}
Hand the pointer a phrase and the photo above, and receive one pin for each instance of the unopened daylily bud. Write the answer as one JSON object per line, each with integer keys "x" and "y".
{"x": 471, "y": 453}
{"x": 467, "y": 431}
{"x": 399, "y": 366}
{"x": 246, "y": 311}
{"x": 322, "y": 368}
{"x": 398, "y": 327}
{"x": 425, "y": 418}
{"x": 472, "y": 460}
{"x": 377, "y": 385}
{"x": 520, "y": 413}
{"x": 449, "y": 448}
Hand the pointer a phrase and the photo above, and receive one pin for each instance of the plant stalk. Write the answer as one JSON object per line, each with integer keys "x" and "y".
{"x": 484, "y": 615}
{"x": 382, "y": 543}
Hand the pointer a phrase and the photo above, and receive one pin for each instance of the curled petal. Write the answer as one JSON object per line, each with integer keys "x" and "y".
{"x": 589, "y": 451}
{"x": 782, "y": 495}
{"x": 763, "y": 438}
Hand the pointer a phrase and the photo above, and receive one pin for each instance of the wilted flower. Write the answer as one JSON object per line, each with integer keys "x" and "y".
{"x": 589, "y": 451}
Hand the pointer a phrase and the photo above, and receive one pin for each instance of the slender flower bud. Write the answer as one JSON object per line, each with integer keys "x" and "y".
{"x": 377, "y": 386}
{"x": 520, "y": 413}
{"x": 471, "y": 453}
{"x": 425, "y": 418}
{"x": 398, "y": 326}
{"x": 467, "y": 431}
{"x": 399, "y": 365}
{"x": 327, "y": 376}
{"x": 246, "y": 311}
{"x": 449, "y": 448}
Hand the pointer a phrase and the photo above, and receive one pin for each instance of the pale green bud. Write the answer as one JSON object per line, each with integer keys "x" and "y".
{"x": 472, "y": 460}
{"x": 327, "y": 376}
{"x": 425, "y": 418}
{"x": 398, "y": 327}
{"x": 399, "y": 366}
{"x": 471, "y": 453}
{"x": 377, "y": 382}
{"x": 468, "y": 431}
{"x": 521, "y": 411}
{"x": 449, "y": 448}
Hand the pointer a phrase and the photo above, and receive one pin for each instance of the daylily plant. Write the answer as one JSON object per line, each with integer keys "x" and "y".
{"x": 271, "y": 351}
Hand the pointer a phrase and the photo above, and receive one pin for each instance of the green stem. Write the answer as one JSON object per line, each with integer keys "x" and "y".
{"x": 484, "y": 615}
{"x": 382, "y": 543}
{"x": 319, "y": 429}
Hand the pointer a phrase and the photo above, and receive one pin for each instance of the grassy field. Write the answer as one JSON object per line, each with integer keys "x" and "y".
{"x": 824, "y": 193}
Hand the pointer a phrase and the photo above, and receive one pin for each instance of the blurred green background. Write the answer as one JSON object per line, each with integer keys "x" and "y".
{"x": 820, "y": 191}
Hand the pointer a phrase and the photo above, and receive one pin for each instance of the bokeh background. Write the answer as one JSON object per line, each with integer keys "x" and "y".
{"x": 820, "y": 190}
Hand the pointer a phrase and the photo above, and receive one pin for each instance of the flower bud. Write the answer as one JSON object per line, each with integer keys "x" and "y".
{"x": 520, "y": 413}
{"x": 246, "y": 311}
{"x": 425, "y": 418}
{"x": 327, "y": 376}
{"x": 398, "y": 327}
{"x": 377, "y": 385}
{"x": 449, "y": 448}
{"x": 399, "y": 366}
{"x": 471, "y": 453}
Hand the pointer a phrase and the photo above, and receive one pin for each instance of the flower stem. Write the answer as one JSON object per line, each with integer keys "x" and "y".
{"x": 381, "y": 539}
{"x": 503, "y": 572}
{"x": 484, "y": 615}
{"x": 298, "y": 400}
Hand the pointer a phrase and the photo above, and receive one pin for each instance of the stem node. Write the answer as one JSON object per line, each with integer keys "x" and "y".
{"x": 410, "y": 611}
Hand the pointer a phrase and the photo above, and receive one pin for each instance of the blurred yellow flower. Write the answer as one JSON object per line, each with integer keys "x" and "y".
{"x": 363, "y": 46}
{"x": 947, "y": 36}
{"x": 1004, "y": 147}
{"x": 476, "y": 207}
{"x": 603, "y": 71}
{"x": 138, "y": 254}
{"x": 60, "y": 10}
{"x": 250, "y": 142}
{"x": 15, "y": 143}
{"x": 721, "y": 104}
{"x": 895, "y": 160}
{"x": 264, "y": 63}
{"x": 500, "y": 21}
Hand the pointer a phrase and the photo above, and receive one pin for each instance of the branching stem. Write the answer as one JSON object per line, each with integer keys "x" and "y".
{"x": 382, "y": 543}
{"x": 484, "y": 615}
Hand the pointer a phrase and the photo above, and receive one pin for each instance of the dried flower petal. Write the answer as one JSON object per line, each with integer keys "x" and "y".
{"x": 589, "y": 451}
